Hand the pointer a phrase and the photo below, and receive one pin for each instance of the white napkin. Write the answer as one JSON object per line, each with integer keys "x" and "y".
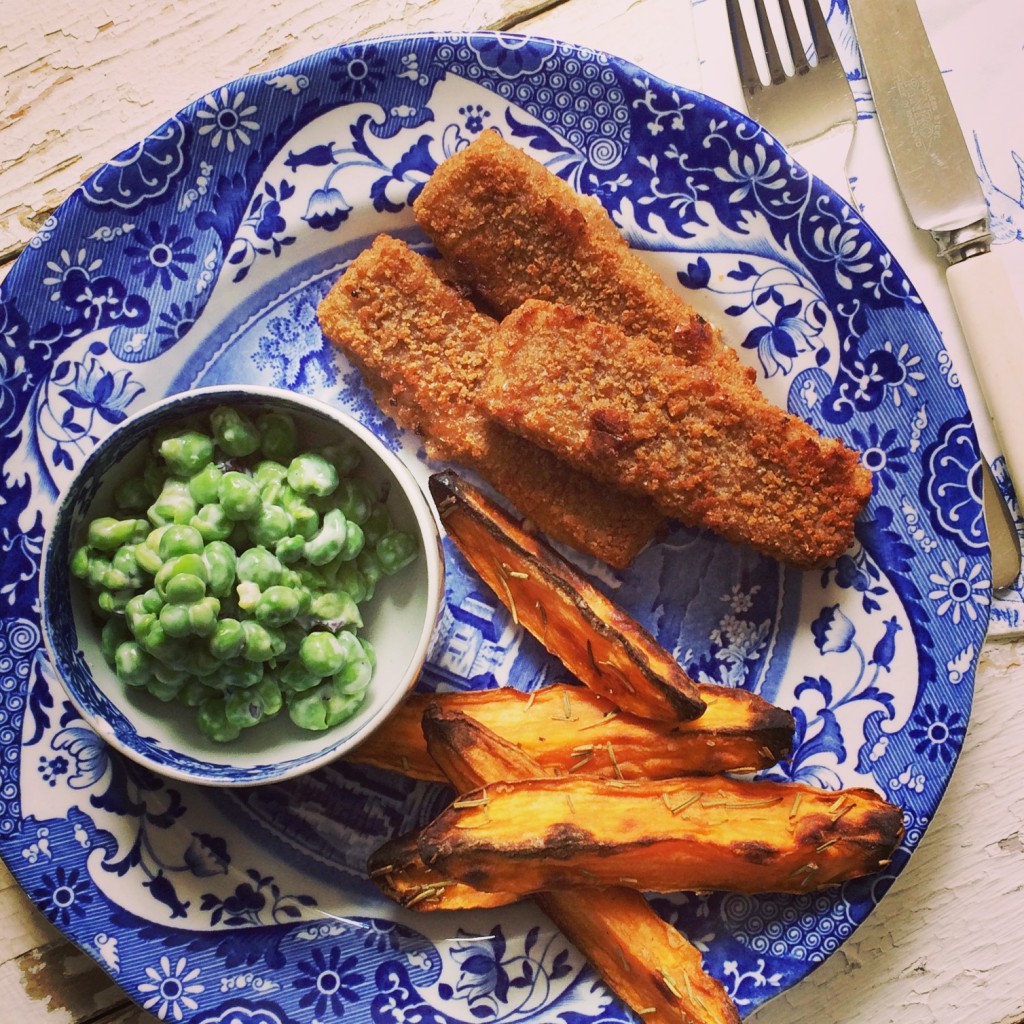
{"x": 980, "y": 49}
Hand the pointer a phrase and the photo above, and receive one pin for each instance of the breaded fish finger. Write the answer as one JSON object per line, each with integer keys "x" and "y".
{"x": 513, "y": 230}
{"x": 424, "y": 349}
{"x": 709, "y": 452}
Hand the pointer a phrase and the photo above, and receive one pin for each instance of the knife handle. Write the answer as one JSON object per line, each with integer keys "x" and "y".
{"x": 993, "y": 326}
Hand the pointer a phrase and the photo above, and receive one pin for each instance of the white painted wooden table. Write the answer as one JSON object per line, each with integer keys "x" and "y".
{"x": 82, "y": 79}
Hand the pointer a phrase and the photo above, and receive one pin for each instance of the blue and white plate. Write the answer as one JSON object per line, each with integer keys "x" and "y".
{"x": 198, "y": 257}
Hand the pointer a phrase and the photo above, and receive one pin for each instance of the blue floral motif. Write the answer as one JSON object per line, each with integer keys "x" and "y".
{"x": 326, "y": 209}
{"x": 881, "y": 453}
{"x": 100, "y": 302}
{"x": 511, "y": 56}
{"x": 328, "y": 982}
{"x": 951, "y": 485}
{"x": 160, "y": 254}
{"x": 142, "y": 174}
{"x": 171, "y": 989}
{"x": 961, "y": 590}
{"x": 227, "y": 119}
{"x": 252, "y": 900}
{"x": 96, "y": 390}
{"x": 832, "y": 631}
{"x": 937, "y": 732}
{"x": 360, "y": 71}
{"x": 63, "y": 894}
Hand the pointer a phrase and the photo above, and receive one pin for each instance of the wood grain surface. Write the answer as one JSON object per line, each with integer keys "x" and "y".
{"x": 82, "y": 79}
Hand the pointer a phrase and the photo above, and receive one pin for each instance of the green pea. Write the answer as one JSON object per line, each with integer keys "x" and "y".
{"x": 174, "y": 504}
{"x": 186, "y": 453}
{"x": 238, "y": 495}
{"x": 337, "y": 608}
{"x": 112, "y": 602}
{"x": 132, "y": 665}
{"x": 377, "y": 523}
{"x": 395, "y": 550}
{"x": 97, "y": 570}
{"x": 351, "y": 578}
{"x": 322, "y": 653}
{"x": 227, "y": 640}
{"x": 80, "y": 562}
{"x": 267, "y": 472}
{"x": 305, "y": 517}
{"x": 202, "y": 616}
{"x": 238, "y": 674}
{"x": 125, "y": 561}
{"x": 195, "y": 692}
{"x": 236, "y": 435}
{"x": 175, "y": 621}
{"x": 259, "y": 566}
{"x": 329, "y": 542}
{"x": 212, "y": 721}
{"x": 295, "y": 677}
{"x": 249, "y": 707}
{"x": 132, "y": 494}
{"x": 345, "y": 458}
{"x": 322, "y": 707}
{"x": 182, "y": 565}
{"x": 272, "y": 523}
{"x": 277, "y": 605}
{"x": 277, "y": 436}
{"x": 354, "y": 676}
{"x": 147, "y": 553}
{"x": 290, "y": 549}
{"x": 248, "y": 595}
{"x": 213, "y": 523}
{"x": 108, "y": 534}
{"x": 221, "y": 562}
{"x": 140, "y": 606}
{"x": 262, "y": 643}
{"x": 312, "y": 474}
{"x": 180, "y": 539}
{"x": 204, "y": 486}
{"x": 355, "y": 499}
{"x": 114, "y": 633}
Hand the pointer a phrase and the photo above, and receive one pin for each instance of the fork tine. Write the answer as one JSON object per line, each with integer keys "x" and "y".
{"x": 749, "y": 78}
{"x": 796, "y": 47}
{"x": 776, "y": 72}
{"x": 820, "y": 35}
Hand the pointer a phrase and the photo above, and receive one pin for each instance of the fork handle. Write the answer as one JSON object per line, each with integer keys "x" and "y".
{"x": 993, "y": 326}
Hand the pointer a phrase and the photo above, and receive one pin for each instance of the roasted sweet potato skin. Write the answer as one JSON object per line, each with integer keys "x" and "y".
{"x": 597, "y": 642}
{"x": 662, "y": 836}
{"x": 400, "y": 874}
{"x": 569, "y": 729}
{"x": 649, "y": 964}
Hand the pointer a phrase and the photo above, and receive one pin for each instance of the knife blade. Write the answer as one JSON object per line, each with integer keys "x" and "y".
{"x": 943, "y": 195}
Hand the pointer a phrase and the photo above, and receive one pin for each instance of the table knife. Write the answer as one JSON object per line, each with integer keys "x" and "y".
{"x": 943, "y": 195}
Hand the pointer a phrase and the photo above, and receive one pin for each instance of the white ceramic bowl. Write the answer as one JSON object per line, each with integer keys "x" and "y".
{"x": 398, "y": 620}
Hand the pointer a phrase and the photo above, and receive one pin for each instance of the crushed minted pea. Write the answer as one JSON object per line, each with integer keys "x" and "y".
{"x": 238, "y": 595}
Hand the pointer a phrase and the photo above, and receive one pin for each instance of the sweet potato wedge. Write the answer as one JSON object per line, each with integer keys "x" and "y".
{"x": 649, "y": 964}
{"x": 399, "y": 872}
{"x": 596, "y": 641}
{"x": 662, "y": 836}
{"x": 569, "y": 729}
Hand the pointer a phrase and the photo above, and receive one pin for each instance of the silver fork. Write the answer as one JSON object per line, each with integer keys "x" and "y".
{"x": 811, "y": 111}
{"x": 813, "y": 114}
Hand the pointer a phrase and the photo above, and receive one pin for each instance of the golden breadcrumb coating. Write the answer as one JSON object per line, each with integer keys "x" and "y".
{"x": 514, "y": 231}
{"x": 708, "y": 451}
{"x": 423, "y": 350}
